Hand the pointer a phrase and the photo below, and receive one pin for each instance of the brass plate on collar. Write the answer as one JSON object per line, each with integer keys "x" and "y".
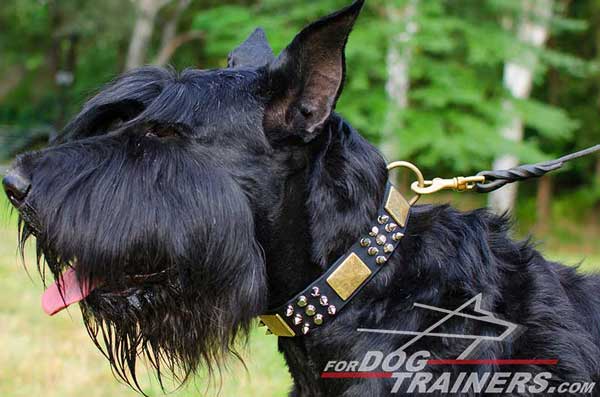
{"x": 277, "y": 325}
{"x": 348, "y": 276}
{"x": 397, "y": 206}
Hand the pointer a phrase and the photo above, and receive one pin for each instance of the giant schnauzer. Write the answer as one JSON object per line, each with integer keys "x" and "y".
{"x": 176, "y": 208}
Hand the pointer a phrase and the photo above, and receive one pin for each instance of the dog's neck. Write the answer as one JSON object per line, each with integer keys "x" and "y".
{"x": 346, "y": 187}
{"x": 325, "y": 208}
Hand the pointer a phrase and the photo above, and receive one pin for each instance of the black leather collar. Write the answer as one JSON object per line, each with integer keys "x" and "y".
{"x": 323, "y": 299}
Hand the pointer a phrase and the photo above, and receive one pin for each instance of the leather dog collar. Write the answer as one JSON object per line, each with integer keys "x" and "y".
{"x": 319, "y": 303}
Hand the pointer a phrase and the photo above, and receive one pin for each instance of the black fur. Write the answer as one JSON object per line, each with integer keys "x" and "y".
{"x": 194, "y": 201}
{"x": 156, "y": 195}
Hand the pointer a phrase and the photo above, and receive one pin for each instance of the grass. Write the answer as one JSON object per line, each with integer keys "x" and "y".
{"x": 47, "y": 356}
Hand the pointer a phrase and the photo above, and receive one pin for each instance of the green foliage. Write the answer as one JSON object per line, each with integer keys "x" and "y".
{"x": 456, "y": 101}
{"x": 35, "y": 32}
{"x": 457, "y": 98}
{"x": 13, "y": 142}
{"x": 226, "y": 27}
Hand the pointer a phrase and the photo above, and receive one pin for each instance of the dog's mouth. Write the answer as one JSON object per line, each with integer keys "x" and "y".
{"x": 68, "y": 289}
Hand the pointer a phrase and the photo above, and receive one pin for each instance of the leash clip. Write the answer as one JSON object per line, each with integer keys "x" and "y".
{"x": 420, "y": 182}
{"x": 459, "y": 184}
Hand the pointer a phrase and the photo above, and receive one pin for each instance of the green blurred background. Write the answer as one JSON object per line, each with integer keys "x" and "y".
{"x": 455, "y": 86}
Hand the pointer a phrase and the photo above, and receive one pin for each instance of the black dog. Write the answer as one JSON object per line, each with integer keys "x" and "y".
{"x": 188, "y": 204}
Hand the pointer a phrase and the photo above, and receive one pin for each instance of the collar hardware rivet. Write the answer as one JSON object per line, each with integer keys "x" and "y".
{"x": 302, "y": 301}
{"x": 383, "y": 219}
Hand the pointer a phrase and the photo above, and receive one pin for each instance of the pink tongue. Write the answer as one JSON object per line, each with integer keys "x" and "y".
{"x": 71, "y": 291}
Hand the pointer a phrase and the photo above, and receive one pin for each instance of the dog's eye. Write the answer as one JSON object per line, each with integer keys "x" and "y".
{"x": 158, "y": 132}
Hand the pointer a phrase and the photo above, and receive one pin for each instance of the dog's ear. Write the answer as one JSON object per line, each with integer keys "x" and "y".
{"x": 306, "y": 79}
{"x": 254, "y": 52}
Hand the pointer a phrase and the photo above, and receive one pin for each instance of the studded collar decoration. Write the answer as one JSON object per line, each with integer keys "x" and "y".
{"x": 324, "y": 298}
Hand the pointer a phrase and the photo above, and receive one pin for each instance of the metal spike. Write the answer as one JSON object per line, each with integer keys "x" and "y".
{"x": 261, "y": 324}
{"x": 388, "y": 248}
{"x": 381, "y": 239}
{"x": 289, "y": 311}
{"x": 331, "y": 310}
{"x": 298, "y": 319}
{"x": 302, "y": 301}
{"x": 310, "y": 310}
{"x": 374, "y": 231}
{"x": 397, "y": 236}
{"x": 318, "y": 319}
{"x": 315, "y": 291}
{"x": 390, "y": 227}
{"x": 382, "y": 219}
{"x": 381, "y": 260}
{"x": 365, "y": 242}
{"x": 268, "y": 332}
{"x": 324, "y": 301}
{"x": 306, "y": 328}
{"x": 372, "y": 251}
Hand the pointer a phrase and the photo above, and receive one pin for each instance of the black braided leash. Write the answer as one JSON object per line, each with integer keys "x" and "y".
{"x": 496, "y": 179}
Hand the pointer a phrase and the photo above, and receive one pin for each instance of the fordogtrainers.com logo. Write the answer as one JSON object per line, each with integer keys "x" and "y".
{"x": 418, "y": 372}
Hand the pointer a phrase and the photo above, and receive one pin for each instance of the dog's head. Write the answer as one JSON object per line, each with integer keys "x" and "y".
{"x": 151, "y": 208}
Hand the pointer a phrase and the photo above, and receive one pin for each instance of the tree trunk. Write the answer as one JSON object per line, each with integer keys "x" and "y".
{"x": 55, "y": 17}
{"x": 169, "y": 32}
{"x": 544, "y": 186}
{"x": 142, "y": 31}
{"x": 597, "y": 171}
{"x": 398, "y": 83}
{"x": 518, "y": 80}
{"x": 65, "y": 77}
{"x": 543, "y": 201}
{"x": 11, "y": 79}
{"x": 596, "y": 22}
{"x": 169, "y": 49}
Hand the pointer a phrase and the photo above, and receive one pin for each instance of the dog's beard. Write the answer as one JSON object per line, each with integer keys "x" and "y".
{"x": 175, "y": 331}
{"x": 168, "y": 243}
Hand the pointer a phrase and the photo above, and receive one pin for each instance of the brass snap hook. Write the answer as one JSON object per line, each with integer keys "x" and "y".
{"x": 420, "y": 182}
{"x": 459, "y": 184}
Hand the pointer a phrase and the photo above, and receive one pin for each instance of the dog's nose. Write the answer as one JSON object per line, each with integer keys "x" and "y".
{"x": 16, "y": 186}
